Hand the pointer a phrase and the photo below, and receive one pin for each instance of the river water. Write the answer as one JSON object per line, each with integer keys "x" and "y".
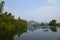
{"x": 39, "y": 34}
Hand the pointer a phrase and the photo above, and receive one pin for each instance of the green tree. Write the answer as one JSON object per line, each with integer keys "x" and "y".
{"x": 1, "y": 6}
{"x": 8, "y": 22}
{"x": 52, "y": 23}
{"x": 42, "y": 24}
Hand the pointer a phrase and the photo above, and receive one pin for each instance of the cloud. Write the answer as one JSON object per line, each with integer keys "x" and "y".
{"x": 52, "y": 1}
{"x": 55, "y": 3}
{"x": 45, "y": 14}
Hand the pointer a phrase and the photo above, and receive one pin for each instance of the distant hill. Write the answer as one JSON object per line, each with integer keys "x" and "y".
{"x": 34, "y": 22}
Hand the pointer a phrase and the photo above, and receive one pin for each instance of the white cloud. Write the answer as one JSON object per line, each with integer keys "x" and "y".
{"x": 52, "y": 1}
{"x": 43, "y": 14}
{"x": 47, "y": 13}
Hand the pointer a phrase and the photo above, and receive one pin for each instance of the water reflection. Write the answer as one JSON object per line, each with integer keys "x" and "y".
{"x": 54, "y": 29}
{"x": 46, "y": 29}
{"x": 9, "y": 35}
{"x": 38, "y": 33}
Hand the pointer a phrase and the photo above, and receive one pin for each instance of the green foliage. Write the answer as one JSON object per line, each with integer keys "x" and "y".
{"x": 10, "y": 23}
{"x": 42, "y": 24}
{"x": 9, "y": 26}
{"x": 1, "y": 6}
{"x": 52, "y": 23}
{"x": 58, "y": 24}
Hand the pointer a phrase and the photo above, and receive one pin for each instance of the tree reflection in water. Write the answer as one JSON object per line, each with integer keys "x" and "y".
{"x": 9, "y": 35}
{"x": 53, "y": 29}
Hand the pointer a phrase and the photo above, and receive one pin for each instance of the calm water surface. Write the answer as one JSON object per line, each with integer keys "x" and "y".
{"x": 39, "y": 34}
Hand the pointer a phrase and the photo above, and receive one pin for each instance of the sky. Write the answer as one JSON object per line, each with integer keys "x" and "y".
{"x": 37, "y": 10}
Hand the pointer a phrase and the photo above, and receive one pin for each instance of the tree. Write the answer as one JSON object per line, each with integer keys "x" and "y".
{"x": 9, "y": 22}
{"x": 42, "y": 24}
{"x": 52, "y": 23}
{"x": 19, "y": 18}
{"x": 1, "y": 6}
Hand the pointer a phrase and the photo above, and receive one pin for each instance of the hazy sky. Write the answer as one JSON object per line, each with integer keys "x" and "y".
{"x": 37, "y": 10}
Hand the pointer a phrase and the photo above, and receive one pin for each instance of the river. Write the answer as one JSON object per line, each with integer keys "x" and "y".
{"x": 39, "y": 34}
